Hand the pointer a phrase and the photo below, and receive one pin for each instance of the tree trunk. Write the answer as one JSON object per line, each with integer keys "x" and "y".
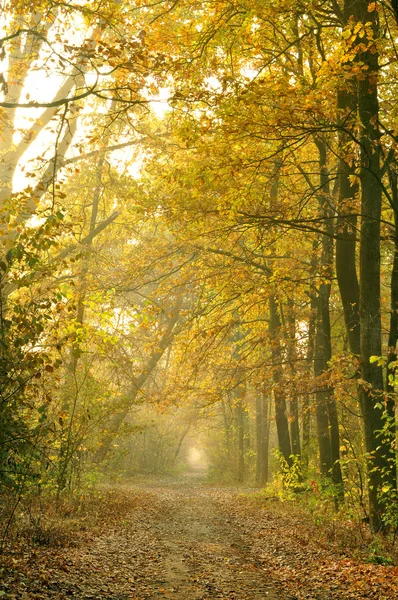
{"x": 118, "y": 418}
{"x": 323, "y": 394}
{"x": 346, "y": 229}
{"x": 227, "y": 432}
{"x": 393, "y": 330}
{"x": 282, "y": 423}
{"x": 275, "y": 333}
{"x": 262, "y": 438}
{"x": 266, "y": 410}
{"x": 326, "y": 409}
{"x": 240, "y": 430}
{"x": 289, "y": 330}
{"x": 381, "y": 468}
{"x": 306, "y": 406}
{"x": 180, "y": 441}
{"x": 259, "y": 457}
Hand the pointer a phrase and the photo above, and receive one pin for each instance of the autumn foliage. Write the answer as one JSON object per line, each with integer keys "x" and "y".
{"x": 198, "y": 230}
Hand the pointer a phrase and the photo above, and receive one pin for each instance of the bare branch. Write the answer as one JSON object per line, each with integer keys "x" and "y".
{"x": 54, "y": 104}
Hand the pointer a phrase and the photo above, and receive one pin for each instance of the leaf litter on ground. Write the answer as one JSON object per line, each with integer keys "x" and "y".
{"x": 185, "y": 540}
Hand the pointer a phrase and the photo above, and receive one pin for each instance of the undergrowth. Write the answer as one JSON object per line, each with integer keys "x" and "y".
{"x": 36, "y": 521}
{"x": 343, "y": 527}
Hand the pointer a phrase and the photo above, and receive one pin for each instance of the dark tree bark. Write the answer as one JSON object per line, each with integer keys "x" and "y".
{"x": 275, "y": 336}
{"x": 346, "y": 229}
{"x": 322, "y": 395}
{"x": 326, "y": 409}
{"x": 289, "y": 330}
{"x": 347, "y": 222}
{"x": 381, "y": 468}
{"x": 282, "y": 423}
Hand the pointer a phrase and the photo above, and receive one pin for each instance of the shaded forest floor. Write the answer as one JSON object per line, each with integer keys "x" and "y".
{"x": 183, "y": 540}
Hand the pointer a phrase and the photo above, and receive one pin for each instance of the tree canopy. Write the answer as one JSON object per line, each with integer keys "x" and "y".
{"x": 199, "y": 233}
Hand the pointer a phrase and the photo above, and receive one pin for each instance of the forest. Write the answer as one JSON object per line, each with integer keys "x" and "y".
{"x": 198, "y": 299}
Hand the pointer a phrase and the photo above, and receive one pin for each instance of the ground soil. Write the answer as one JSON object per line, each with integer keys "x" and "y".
{"x": 185, "y": 540}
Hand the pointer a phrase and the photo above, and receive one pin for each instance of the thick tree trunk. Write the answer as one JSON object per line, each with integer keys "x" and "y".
{"x": 381, "y": 468}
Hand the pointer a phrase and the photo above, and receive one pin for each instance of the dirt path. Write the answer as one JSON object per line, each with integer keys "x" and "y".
{"x": 204, "y": 555}
{"x": 176, "y": 541}
{"x": 182, "y": 540}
